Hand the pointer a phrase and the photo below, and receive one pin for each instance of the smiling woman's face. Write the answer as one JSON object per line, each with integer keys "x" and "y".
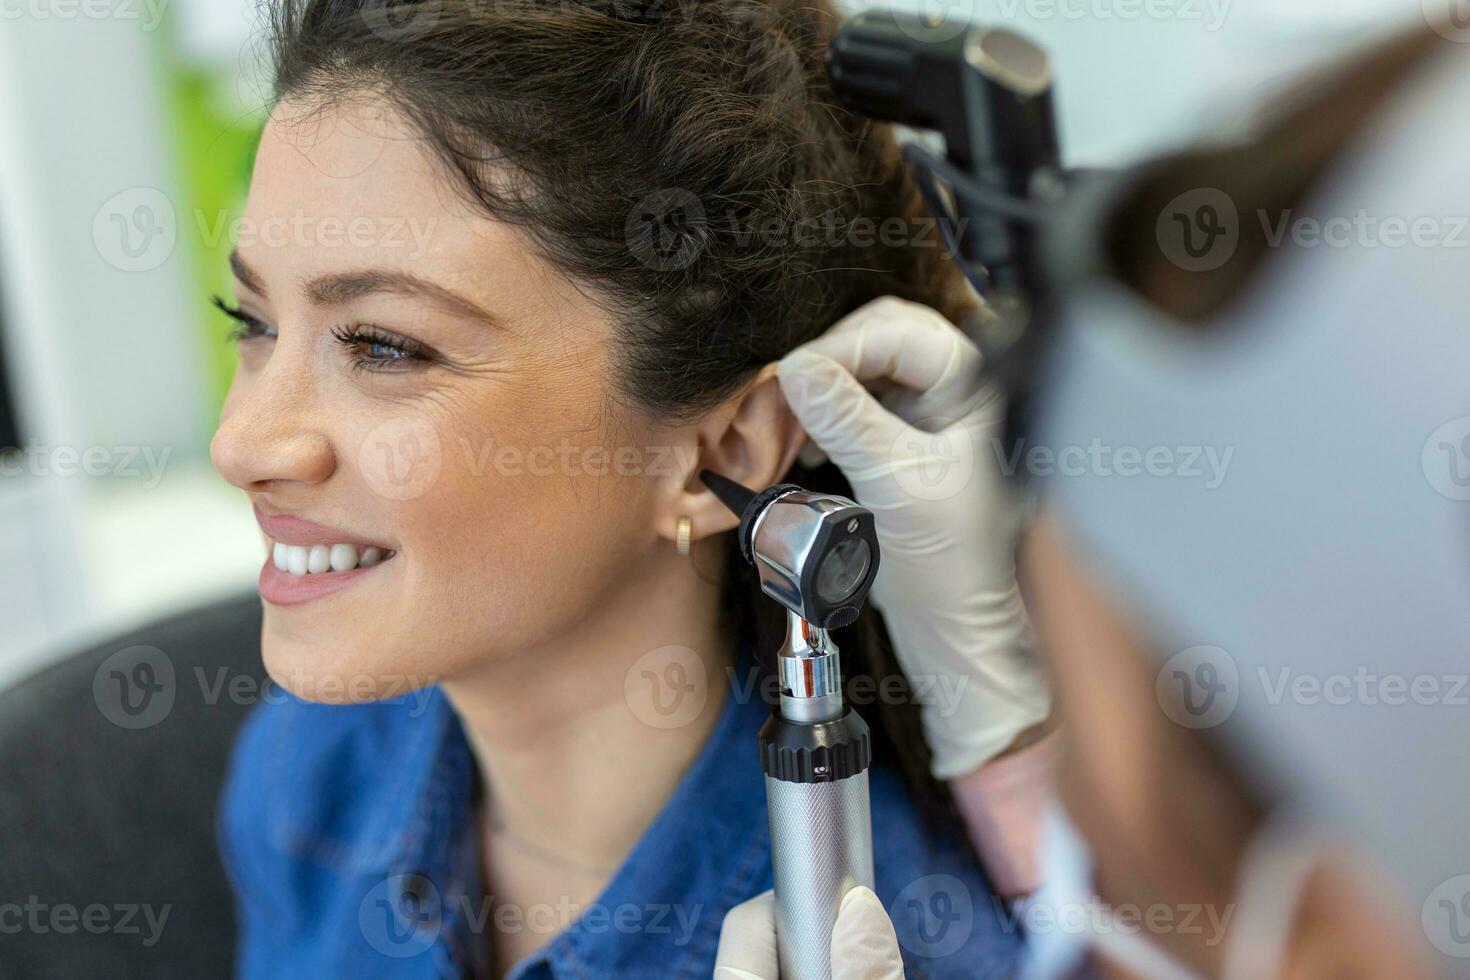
{"x": 413, "y": 379}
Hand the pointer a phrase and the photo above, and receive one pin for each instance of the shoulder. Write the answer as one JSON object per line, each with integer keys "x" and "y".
{"x": 949, "y": 921}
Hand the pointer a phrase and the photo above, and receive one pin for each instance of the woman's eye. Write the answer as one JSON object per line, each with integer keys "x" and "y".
{"x": 367, "y": 347}
{"x": 374, "y": 349}
{"x": 245, "y": 326}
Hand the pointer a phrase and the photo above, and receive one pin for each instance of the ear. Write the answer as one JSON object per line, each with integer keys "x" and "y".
{"x": 752, "y": 438}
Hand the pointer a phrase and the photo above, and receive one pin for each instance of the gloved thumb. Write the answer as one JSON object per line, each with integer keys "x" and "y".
{"x": 841, "y": 416}
{"x": 864, "y": 945}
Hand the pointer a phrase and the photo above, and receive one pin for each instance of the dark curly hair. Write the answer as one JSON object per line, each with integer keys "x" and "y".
{"x": 686, "y": 160}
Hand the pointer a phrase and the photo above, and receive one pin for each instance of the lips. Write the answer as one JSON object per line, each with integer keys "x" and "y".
{"x": 308, "y": 560}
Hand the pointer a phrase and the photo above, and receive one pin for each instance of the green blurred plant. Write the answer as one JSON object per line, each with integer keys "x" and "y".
{"x": 215, "y": 142}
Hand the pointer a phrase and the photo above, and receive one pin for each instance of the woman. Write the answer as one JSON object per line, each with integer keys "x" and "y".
{"x": 541, "y": 260}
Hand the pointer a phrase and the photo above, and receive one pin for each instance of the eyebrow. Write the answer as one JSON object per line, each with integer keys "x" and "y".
{"x": 335, "y": 289}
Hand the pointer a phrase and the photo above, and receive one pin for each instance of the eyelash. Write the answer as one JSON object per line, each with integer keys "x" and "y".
{"x": 245, "y": 327}
{"x": 371, "y": 348}
{"x": 356, "y": 338}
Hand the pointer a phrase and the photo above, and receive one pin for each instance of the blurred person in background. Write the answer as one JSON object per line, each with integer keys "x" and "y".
{"x": 1262, "y": 680}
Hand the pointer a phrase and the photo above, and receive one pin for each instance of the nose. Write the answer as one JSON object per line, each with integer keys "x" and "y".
{"x": 268, "y": 438}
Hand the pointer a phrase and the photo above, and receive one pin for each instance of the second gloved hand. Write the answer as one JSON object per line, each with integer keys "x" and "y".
{"x": 864, "y": 945}
{"x": 927, "y": 464}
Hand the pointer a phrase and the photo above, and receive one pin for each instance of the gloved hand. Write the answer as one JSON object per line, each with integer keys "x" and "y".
{"x": 928, "y": 467}
{"x": 864, "y": 945}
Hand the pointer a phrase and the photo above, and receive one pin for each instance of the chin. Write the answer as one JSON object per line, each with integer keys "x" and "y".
{"x": 337, "y": 670}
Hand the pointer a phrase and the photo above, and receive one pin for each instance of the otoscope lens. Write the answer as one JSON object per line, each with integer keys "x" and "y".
{"x": 843, "y": 570}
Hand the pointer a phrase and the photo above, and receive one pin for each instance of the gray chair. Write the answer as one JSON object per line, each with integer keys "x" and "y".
{"x": 110, "y": 772}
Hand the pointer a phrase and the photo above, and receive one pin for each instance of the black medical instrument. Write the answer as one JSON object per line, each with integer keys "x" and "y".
{"x": 817, "y": 555}
{"x": 999, "y": 184}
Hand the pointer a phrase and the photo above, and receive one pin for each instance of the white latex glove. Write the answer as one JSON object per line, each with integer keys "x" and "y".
{"x": 864, "y": 945}
{"x": 928, "y": 465}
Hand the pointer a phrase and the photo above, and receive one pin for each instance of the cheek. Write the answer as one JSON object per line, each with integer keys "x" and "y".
{"x": 509, "y": 526}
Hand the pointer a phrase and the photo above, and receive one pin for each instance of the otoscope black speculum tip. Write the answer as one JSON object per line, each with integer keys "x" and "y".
{"x": 745, "y": 504}
{"x": 733, "y": 495}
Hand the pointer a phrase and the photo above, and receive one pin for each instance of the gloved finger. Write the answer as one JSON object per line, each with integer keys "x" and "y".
{"x": 864, "y": 945}
{"x": 747, "y": 949}
{"x": 912, "y": 345}
{"x": 841, "y": 416}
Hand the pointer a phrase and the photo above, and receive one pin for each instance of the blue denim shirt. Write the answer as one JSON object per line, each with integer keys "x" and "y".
{"x": 350, "y": 835}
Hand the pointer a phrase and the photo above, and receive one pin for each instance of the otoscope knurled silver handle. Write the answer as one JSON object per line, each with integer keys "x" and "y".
{"x": 821, "y": 829}
{"x": 821, "y": 847}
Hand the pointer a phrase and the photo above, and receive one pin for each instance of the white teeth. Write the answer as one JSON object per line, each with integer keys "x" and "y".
{"x": 318, "y": 559}
{"x": 296, "y": 560}
{"x": 344, "y": 557}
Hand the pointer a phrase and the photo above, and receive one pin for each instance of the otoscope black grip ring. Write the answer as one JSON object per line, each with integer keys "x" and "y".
{"x": 753, "y": 510}
{"x": 824, "y": 752}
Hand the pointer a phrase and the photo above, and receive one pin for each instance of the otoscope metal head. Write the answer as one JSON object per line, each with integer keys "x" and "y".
{"x": 816, "y": 554}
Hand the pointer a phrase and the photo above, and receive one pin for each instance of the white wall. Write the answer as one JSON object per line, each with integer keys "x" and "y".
{"x": 102, "y": 338}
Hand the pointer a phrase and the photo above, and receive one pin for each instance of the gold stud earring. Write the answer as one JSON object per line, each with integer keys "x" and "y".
{"x": 683, "y": 534}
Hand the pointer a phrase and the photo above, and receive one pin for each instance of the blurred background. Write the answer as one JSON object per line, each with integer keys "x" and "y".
{"x": 127, "y": 130}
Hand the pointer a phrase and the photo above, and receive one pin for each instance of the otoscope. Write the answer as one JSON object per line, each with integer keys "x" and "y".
{"x": 988, "y": 93}
{"x": 817, "y": 555}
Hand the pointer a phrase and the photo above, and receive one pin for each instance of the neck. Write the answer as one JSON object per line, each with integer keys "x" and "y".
{"x": 582, "y": 740}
